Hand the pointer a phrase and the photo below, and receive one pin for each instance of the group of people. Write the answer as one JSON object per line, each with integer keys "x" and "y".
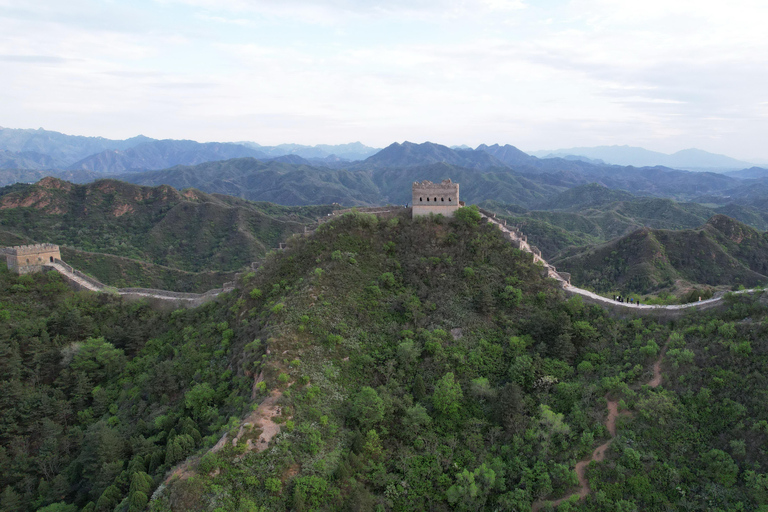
{"x": 630, "y": 300}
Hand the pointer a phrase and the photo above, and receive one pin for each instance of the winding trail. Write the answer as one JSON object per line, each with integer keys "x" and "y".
{"x": 598, "y": 454}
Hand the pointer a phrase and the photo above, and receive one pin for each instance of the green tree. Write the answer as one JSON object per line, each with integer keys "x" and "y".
{"x": 471, "y": 490}
{"x": 469, "y": 215}
{"x": 720, "y": 467}
{"x": 199, "y": 400}
{"x": 447, "y": 396}
{"x": 367, "y": 408}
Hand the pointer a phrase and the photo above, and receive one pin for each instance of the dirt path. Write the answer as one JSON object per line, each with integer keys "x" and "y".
{"x": 258, "y": 425}
{"x": 656, "y": 380}
{"x": 599, "y": 453}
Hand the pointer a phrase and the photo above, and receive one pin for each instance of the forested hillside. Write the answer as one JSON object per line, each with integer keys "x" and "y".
{"x": 190, "y": 231}
{"x": 405, "y": 365}
{"x": 721, "y": 252}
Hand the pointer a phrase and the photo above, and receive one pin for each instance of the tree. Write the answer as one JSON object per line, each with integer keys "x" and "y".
{"x": 720, "y": 467}
{"x": 447, "y": 396}
{"x": 510, "y": 406}
{"x": 419, "y": 389}
{"x": 98, "y": 360}
{"x": 469, "y": 215}
{"x": 471, "y": 489}
{"x": 199, "y": 399}
{"x": 368, "y": 408}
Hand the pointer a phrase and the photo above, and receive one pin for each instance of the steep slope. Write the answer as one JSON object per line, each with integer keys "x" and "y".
{"x": 381, "y": 363}
{"x": 639, "y": 157}
{"x": 582, "y": 196}
{"x": 122, "y": 272}
{"x": 190, "y": 231}
{"x": 11, "y": 176}
{"x": 475, "y": 186}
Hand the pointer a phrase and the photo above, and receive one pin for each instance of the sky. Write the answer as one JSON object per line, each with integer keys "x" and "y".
{"x": 665, "y": 75}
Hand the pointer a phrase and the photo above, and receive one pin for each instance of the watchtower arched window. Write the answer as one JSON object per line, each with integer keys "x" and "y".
{"x": 442, "y": 199}
{"x": 427, "y": 199}
{"x": 51, "y": 259}
{"x": 420, "y": 199}
{"x": 435, "y": 199}
{"x": 449, "y": 199}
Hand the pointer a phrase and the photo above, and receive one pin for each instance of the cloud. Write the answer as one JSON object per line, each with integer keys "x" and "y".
{"x": 546, "y": 74}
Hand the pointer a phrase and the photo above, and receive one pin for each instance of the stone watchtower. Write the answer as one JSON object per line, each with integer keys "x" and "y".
{"x": 436, "y": 198}
{"x": 31, "y": 258}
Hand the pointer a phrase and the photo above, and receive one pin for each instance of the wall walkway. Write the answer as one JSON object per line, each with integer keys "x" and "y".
{"x": 176, "y": 299}
{"x": 564, "y": 279}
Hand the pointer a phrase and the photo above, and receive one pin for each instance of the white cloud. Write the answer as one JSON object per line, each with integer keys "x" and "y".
{"x": 583, "y": 72}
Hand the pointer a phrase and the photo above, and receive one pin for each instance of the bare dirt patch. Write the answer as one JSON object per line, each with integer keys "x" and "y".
{"x": 263, "y": 418}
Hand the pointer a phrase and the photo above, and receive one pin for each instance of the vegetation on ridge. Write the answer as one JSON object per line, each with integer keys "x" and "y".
{"x": 187, "y": 230}
{"x": 416, "y": 364}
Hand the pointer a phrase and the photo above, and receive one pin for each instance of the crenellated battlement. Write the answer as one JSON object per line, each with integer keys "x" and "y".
{"x": 23, "y": 250}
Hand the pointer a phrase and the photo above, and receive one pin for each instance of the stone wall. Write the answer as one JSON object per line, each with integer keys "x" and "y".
{"x": 24, "y": 259}
{"x": 438, "y": 198}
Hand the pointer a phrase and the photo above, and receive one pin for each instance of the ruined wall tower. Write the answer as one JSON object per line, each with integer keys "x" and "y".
{"x": 431, "y": 197}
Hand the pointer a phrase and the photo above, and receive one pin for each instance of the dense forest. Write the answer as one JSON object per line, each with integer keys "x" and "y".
{"x": 407, "y": 365}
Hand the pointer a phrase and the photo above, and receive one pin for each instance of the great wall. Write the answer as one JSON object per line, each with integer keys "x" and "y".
{"x": 37, "y": 258}
{"x": 428, "y": 198}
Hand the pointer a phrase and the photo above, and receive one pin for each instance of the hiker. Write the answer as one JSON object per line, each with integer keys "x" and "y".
{"x": 638, "y": 302}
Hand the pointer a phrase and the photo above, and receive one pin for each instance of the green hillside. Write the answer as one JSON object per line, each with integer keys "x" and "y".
{"x": 394, "y": 365}
{"x": 593, "y": 214}
{"x": 722, "y": 252}
{"x": 187, "y": 230}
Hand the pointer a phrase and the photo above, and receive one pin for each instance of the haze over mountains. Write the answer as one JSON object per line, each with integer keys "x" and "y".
{"x": 43, "y": 149}
{"x": 688, "y": 159}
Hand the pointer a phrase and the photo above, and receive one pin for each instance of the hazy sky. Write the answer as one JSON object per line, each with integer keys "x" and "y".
{"x": 665, "y": 75}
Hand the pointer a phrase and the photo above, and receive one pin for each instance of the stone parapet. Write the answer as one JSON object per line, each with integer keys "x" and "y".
{"x": 24, "y": 250}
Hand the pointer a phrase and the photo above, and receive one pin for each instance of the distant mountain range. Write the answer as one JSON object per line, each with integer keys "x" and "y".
{"x": 687, "y": 159}
{"x": 43, "y": 149}
{"x": 387, "y": 176}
